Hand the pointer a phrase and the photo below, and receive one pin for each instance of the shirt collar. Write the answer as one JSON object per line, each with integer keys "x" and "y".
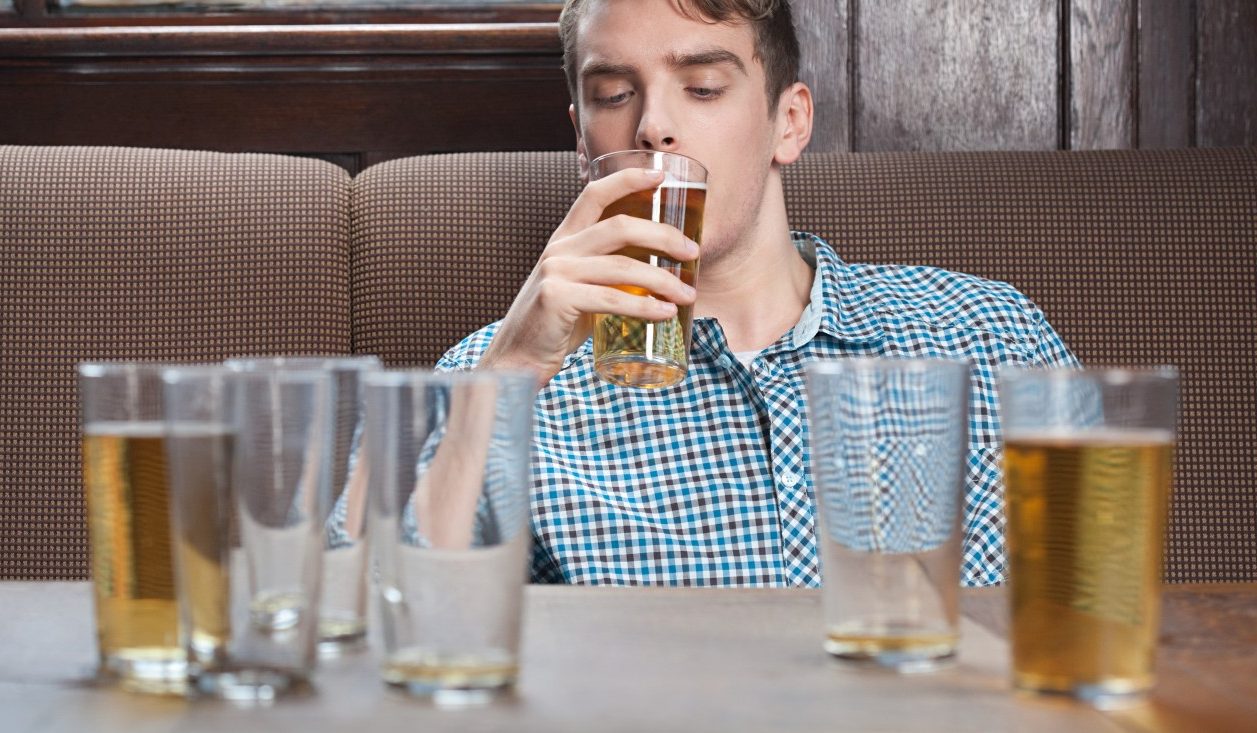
{"x": 833, "y": 306}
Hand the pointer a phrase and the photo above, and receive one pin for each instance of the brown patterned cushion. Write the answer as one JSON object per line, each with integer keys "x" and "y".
{"x": 1137, "y": 257}
{"x": 112, "y": 253}
{"x": 443, "y": 242}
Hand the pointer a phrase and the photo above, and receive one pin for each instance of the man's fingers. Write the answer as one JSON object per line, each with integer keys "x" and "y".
{"x": 599, "y": 194}
{"x": 630, "y": 275}
{"x": 607, "y": 299}
{"x": 618, "y": 232}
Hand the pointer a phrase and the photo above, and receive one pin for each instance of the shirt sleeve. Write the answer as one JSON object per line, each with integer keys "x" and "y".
{"x": 985, "y": 554}
{"x": 1050, "y": 349}
{"x": 465, "y": 355}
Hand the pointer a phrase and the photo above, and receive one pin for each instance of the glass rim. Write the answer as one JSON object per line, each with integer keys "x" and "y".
{"x": 96, "y": 369}
{"x": 428, "y": 377}
{"x": 303, "y": 362}
{"x": 1106, "y": 374}
{"x": 175, "y": 372}
{"x": 638, "y": 151}
{"x": 296, "y": 376}
{"x": 826, "y": 367}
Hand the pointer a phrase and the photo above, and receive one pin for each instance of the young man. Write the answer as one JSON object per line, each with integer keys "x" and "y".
{"x": 708, "y": 482}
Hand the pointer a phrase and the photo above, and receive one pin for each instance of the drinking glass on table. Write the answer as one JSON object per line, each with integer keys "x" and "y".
{"x": 342, "y": 608}
{"x": 250, "y": 455}
{"x": 128, "y": 521}
{"x": 889, "y": 439}
{"x": 449, "y": 472}
{"x": 1088, "y": 460}
{"x": 632, "y": 352}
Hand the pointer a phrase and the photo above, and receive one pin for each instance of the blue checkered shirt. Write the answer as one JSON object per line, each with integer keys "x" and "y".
{"x": 708, "y": 482}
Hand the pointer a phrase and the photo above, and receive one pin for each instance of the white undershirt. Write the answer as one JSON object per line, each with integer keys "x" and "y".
{"x": 746, "y": 357}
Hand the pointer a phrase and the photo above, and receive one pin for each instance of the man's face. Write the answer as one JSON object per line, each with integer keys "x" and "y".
{"x": 651, "y": 78}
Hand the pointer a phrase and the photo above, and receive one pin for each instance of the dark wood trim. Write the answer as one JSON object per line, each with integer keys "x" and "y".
{"x": 353, "y": 94}
{"x": 317, "y": 40}
{"x": 36, "y": 13}
{"x": 374, "y": 118}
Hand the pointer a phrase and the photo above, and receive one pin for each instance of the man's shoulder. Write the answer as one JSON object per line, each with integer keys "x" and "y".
{"x": 466, "y": 353}
{"x": 940, "y": 298}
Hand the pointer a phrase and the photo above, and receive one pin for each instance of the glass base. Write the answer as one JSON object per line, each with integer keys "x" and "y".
{"x": 908, "y": 652}
{"x": 1106, "y": 694}
{"x": 277, "y": 611}
{"x": 448, "y": 679}
{"x": 251, "y": 686}
{"x": 337, "y": 646}
{"x": 148, "y": 670}
{"x": 639, "y": 370}
{"x": 341, "y": 632}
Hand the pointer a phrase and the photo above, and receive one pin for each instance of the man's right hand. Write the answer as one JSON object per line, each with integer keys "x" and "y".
{"x": 577, "y": 276}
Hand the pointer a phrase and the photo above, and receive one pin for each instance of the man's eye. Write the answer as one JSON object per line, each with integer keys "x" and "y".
{"x": 706, "y": 92}
{"x": 613, "y": 99}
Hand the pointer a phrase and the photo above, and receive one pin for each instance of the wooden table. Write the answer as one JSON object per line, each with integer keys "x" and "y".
{"x": 656, "y": 659}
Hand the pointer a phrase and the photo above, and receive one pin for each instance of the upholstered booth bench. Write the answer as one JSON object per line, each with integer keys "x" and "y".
{"x": 1138, "y": 257}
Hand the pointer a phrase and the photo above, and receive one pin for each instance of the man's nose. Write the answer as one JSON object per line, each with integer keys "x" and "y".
{"x": 655, "y": 130}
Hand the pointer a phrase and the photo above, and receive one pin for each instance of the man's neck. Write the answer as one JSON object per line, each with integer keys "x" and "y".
{"x": 759, "y": 289}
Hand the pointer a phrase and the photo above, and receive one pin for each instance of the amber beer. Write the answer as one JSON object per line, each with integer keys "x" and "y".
{"x": 128, "y": 508}
{"x": 1086, "y": 516}
{"x": 201, "y": 457}
{"x": 632, "y": 352}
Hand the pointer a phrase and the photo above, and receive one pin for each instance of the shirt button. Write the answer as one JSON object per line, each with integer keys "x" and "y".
{"x": 789, "y": 478}
{"x": 724, "y": 361}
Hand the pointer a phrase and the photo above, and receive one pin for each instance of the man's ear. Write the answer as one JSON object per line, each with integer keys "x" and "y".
{"x": 794, "y": 123}
{"x": 582, "y": 157}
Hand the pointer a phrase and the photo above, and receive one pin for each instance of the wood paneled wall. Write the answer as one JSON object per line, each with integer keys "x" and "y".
{"x": 1030, "y": 75}
{"x": 353, "y": 86}
{"x": 360, "y": 86}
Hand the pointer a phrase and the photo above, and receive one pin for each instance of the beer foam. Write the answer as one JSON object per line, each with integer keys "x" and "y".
{"x": 671, "y": 181}
{"x": 195, "y": 429}
{"x": 1092, "y": 436}
{"x": 126, "y": 429}
{"x": 156, "y": 429}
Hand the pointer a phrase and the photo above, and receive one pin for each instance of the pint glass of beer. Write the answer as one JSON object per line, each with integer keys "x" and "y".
{"x": 128, "y": 520}
{"x": 1087, "y": 458}
{"x": 632, "y": 352}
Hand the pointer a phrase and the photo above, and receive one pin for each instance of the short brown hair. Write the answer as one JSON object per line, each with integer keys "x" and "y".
{"x": 776, "y": 45}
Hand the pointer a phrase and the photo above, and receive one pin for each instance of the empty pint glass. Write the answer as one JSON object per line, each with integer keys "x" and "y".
{"x": 449, "y": 519}
{"x": 889, "y": 440}
{"x": 632, "y": 352}
{"x": 128, "y": 520}
{"x": 1088, "y": 459}
{"x": 200, "y": 432}
{"x": 342, "y": 609}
